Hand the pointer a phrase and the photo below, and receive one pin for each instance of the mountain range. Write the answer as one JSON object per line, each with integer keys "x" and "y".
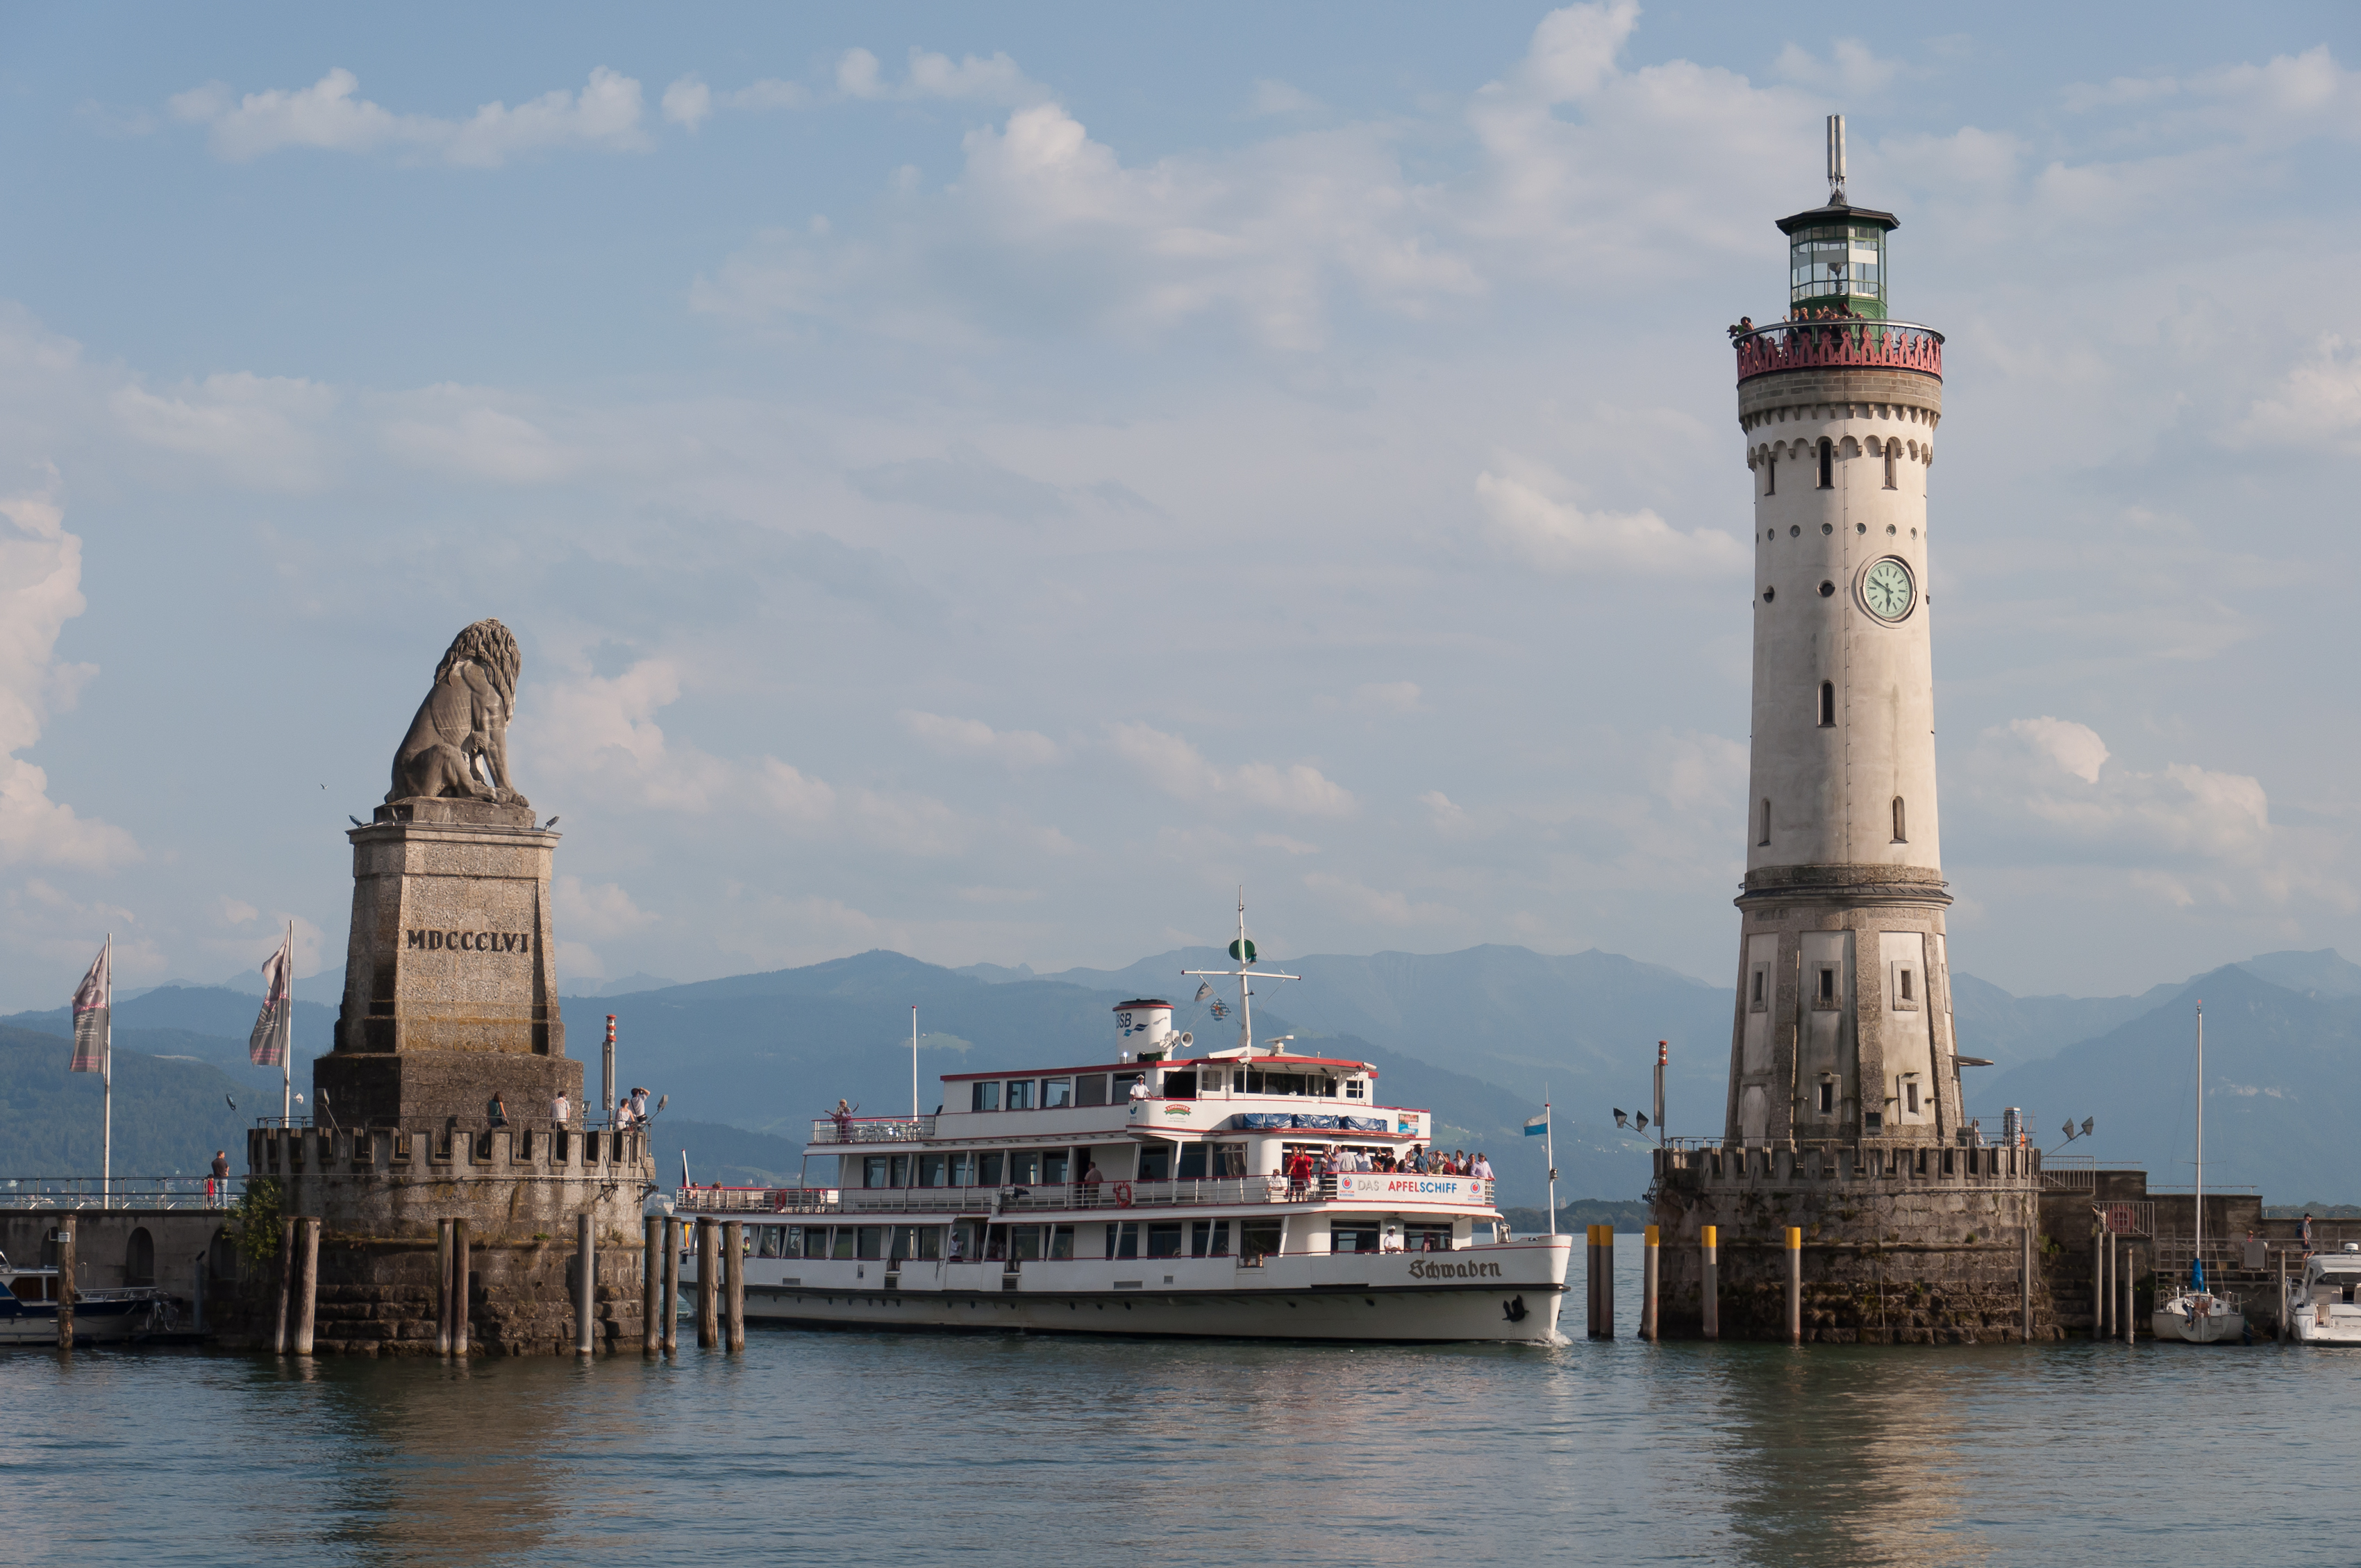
{"x": 1478, "y": 1036}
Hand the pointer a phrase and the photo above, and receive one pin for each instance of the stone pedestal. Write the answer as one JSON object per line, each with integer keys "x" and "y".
{"x": 450, "y": 979}
{"x": 1901, "y": 1246}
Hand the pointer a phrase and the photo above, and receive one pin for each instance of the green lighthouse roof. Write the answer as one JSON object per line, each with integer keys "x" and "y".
{"x": 1839, "y": 213}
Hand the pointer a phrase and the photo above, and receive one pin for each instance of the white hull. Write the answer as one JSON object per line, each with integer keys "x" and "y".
{"x": 1507, "y": 1294}
{"x": 2199, "y": 1323}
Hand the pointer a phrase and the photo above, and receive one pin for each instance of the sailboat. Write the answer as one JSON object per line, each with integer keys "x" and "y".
{"x": 2196, "y": 1315}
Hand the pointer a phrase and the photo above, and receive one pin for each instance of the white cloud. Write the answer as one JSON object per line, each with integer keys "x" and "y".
{"x": 601, "y": 730}
{"x": 1385, "y": 906}
{"x": 2072, "y": 748}
{"x": 1852, "y": 69}
{"x": 451, "y": 431}
{"x": 41, "y": 590}
{"x": 995, "y": 80}
{"x": 268, "y": 431}
{"x": 329, "y": 116}
{"x": 2050, "y": 781}
{"x": 1447, "y": 817}
{"x": 1559, "y": 536}
{"x": 1180, "y": 770}
{"x": 1275, "y": 97}
{"x": 600, "y": 911}
{"x": 971, "y": 736}
{"x": 2318, "y": 404}
{"x": 688, "y": 102}
{"x": 1387, "y": 696}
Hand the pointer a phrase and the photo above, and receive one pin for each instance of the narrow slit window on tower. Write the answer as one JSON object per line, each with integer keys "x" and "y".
{"x": 1827, "y": 705}
{"x": 1899, "y": 836}
{"x": 1766, "y": 824}
{"x": 1771, "y": 478}
{"x": 1827, "y": 984}
{"x": 1910, "y": 1098}
{"x": 1758, "y": 988}
{"x": 1889, "y": 467}
{"x": 1904, "y": 985}
{"x": 1827, "y": 1098}
{"x": 1827, "y": 463}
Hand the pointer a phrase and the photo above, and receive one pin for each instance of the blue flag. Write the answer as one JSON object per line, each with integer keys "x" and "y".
{"x": 1538, "y": 1127}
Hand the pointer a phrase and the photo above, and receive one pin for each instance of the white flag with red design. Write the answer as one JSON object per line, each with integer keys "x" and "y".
{"x": 268, "y": 1045}
{"x": 93, "y": 998}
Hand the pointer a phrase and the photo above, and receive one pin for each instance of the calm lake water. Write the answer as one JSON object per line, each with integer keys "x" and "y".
{"x": 848, "y": 1448}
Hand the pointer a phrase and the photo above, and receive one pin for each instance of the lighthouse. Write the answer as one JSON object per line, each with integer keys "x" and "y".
{"x": 1842, "y": 1026}
{"x": 1847, "y": 1199}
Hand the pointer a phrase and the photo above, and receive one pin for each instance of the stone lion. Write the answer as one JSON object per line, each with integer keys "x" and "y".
{"x": 464, "y": 722}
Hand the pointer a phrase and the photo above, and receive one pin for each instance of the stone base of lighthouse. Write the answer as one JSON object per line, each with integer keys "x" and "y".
{"x": 1901, "y": 1246}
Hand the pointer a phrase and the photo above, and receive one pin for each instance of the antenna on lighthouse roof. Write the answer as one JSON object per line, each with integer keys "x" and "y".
{"x": 1835, "y": 161}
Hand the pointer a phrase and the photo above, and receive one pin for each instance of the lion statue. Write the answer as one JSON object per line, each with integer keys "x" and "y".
{"x": 464, "y": 722}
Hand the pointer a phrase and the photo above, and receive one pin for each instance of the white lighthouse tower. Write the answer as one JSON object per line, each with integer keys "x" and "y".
{"x": 1843, "y": 1029}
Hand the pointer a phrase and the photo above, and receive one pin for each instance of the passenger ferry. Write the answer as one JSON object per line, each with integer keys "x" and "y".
{"x": 1148, "y": 1195}
{"x": 2323, "y": 1302}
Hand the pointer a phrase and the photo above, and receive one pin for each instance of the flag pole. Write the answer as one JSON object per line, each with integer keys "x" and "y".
{"x": 107, "y": 1089}
{"x": 914, "y": 1068}
{"x": 287, "y": 1037}
{"x": 1549, "y": 1152}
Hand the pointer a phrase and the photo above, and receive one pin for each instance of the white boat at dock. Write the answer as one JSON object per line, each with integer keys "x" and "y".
{"x": 2194, "y": 1314}
{"x": 2323, "y": 1302}
{"x": 1148, "y": 1195}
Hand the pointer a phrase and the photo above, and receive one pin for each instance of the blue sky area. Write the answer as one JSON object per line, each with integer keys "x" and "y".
{"x": 988, "y": 483}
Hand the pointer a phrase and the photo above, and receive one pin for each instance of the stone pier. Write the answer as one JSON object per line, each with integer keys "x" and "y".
{"x": 1902, "y": 1245}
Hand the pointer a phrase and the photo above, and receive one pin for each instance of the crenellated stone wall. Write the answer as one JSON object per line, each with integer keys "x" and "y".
{"x": 1901, "y": 1246}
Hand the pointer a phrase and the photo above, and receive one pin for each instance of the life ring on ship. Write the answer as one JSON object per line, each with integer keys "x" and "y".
{"x": 778, "y": 1200}
{"x": 1123, "y": 1194}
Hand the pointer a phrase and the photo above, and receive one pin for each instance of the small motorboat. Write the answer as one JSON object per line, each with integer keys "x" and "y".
{"x": 28, "y": 1310}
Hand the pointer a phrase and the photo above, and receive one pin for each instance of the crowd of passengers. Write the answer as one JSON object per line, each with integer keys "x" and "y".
{"x": 1305, "y": 1165}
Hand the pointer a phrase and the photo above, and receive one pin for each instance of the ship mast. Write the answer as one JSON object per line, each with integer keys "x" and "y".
{"x": 1244, "y": 951}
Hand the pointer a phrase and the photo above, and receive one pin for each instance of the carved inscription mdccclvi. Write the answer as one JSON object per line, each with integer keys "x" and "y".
{"x": 470, "y": 941}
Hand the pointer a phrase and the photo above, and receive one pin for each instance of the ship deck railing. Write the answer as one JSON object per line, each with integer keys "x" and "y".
{"x": 1112, "y": 1197}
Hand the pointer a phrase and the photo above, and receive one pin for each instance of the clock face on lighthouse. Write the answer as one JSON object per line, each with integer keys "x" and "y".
{"x": 1887, "y": 591}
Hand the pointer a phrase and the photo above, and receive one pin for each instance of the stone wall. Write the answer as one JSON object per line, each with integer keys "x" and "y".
{"x": 1897, "y": 1249}
{"x": 381, "y": 1195}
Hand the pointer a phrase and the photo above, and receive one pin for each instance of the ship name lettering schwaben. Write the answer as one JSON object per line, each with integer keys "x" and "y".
{"x": 1421, "y": 1269}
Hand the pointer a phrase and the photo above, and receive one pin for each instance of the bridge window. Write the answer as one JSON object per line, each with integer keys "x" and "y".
{"x": 1056, "y": 1091}
{"x": 985, "y": 1097}
{"x": 1020, "y": 1094}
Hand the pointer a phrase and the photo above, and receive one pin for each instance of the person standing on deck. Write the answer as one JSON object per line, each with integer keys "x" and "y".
{"x": 217, "y": 1184}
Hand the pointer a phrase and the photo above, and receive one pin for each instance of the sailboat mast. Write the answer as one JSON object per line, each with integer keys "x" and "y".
{"x": 2201, "y": 1130}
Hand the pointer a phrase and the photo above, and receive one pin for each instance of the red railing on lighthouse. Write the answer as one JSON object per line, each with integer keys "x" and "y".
{"x": 1808, "y": 345}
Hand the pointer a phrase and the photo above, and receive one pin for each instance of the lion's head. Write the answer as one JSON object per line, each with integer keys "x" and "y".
{"x": 491, "y": 648}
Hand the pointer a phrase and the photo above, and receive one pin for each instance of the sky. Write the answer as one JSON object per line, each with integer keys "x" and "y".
{"x": 989, "y": 482}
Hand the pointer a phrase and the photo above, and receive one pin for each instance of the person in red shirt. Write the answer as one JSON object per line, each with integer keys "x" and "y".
{"x": 1299, "y": 1173}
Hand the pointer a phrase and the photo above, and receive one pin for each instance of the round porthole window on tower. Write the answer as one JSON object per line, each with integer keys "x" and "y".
{"x": 1827, "y": 589}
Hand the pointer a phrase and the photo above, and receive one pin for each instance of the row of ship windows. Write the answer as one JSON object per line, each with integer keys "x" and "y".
{"x": 1901, "y": 817}
{"x": 1102, "y": 1089}
{"x": 1048, "y": 1167}
{"x": 974, "y": 1241}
